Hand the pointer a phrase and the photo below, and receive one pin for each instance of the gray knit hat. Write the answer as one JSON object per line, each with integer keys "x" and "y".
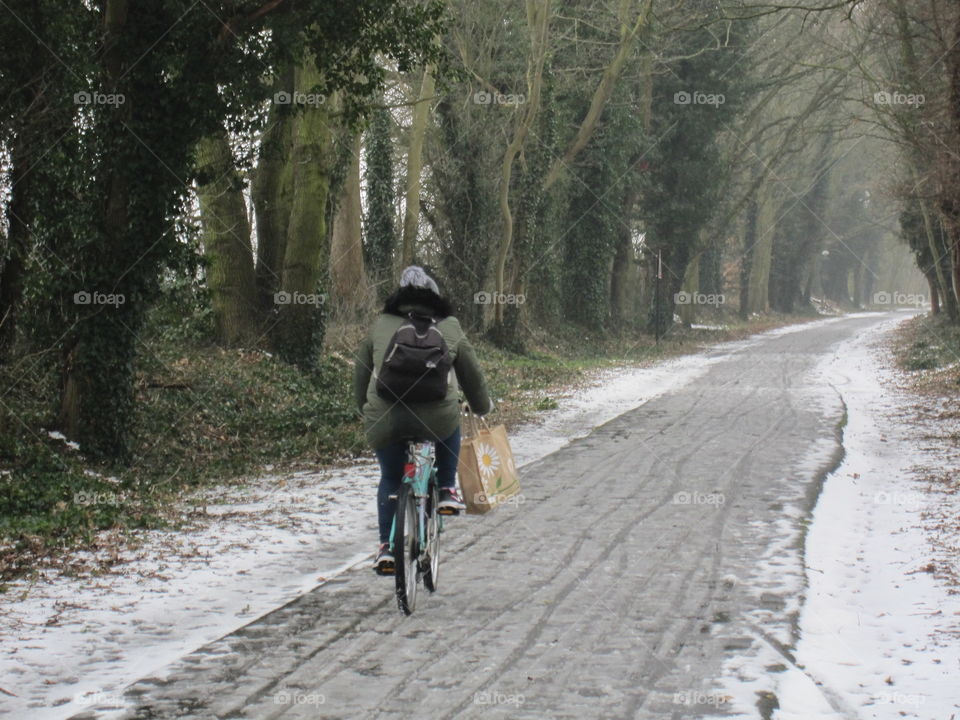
{"x": 416, "y": 276}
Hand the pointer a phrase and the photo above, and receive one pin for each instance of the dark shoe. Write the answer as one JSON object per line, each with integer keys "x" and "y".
{"x": 450, "y": 502}
{"x": 383, "y": 564}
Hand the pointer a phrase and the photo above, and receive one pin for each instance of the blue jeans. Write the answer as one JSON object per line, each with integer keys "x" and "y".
{"x": 393, "y": 457}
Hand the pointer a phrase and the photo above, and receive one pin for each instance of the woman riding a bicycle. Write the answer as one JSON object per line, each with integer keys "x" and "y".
{"x": 391, "y": 419}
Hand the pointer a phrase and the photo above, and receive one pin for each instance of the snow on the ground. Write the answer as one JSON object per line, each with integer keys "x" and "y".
{"x": 879, "y": 636}
{"x": 70, "y": 642}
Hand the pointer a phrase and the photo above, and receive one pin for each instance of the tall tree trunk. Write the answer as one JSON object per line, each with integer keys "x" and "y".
{"x": 940, "y": 253}
{"x": 298, "y": 334}
{"x": 662, "y": 294}
{"x": 934, "y": 292}
{"x": 691, "y": 286}
{"x": 379, "y": 237}
{"x": 751, "y": 216}
{"x": 271, "y": 190}
{"x": 347, "y": 276}
{"x": 13, "y": 252}
{"x": 759, "y": 299}
{"x": 418, "y": 129}
{"x": 858, "y": 285}
{"x": 226, "y": 241}
{"x": 808, "y": 285}
{"x": 955, "y": 240}
{"x": 97, "y": 382}
{"x": 538, "y": 23}
{"x": 950, "y": 196}
{"x": 33, "y": 133}
{"x": 711, "y": 270}
{"x": 623, "y": 268}
{"x": 948, "y": 205}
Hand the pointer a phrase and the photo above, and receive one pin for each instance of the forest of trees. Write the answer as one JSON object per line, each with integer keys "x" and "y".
{"x": 280, "y": 160}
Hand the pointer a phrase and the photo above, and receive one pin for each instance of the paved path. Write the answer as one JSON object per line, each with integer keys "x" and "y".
{"x": 615, "y": 590}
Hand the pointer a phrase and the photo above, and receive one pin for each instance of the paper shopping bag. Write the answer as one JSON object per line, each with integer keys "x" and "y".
{"x": 488, "y": 475}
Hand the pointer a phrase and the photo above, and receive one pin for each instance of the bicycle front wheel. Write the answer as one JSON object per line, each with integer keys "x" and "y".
{"x": 432, "y": 559}
{"x": 406, "y": 549}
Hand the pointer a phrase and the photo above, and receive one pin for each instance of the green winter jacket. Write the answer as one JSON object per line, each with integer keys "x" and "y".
{"x": 386, "y": 423}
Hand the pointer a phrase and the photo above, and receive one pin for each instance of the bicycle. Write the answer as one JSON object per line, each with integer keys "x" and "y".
{"x": 417, "y": 525}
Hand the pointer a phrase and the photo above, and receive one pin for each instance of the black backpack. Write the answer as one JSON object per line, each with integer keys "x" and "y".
{"x": 416, "y": 365}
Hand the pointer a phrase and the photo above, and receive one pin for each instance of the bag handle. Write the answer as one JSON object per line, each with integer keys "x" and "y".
{"x": 472, "y": 421}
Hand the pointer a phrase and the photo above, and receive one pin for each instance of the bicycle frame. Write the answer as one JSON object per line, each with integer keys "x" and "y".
{"x": 418, "y": 472}
{"x": 416, "y": 527}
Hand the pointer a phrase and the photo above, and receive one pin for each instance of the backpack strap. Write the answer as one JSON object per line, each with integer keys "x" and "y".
{"x": 417, "y": 316}
{"x": 422, "y": 324}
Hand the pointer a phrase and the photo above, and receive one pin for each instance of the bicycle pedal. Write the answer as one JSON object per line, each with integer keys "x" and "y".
{"x": 447, "y": 511}
{"x": 385, "y": 569}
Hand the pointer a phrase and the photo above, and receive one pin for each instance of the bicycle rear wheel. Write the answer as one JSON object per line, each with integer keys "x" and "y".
{"x": 433, "y": 540}
{"x": 406, "y": 549}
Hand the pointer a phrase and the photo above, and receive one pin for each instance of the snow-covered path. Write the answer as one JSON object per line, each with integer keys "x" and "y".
{"x": 876, "y": 628}
{"x": 875, "y": 636}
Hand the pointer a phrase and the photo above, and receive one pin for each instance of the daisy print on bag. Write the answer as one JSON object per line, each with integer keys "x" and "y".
{"x": 488, "y": 460}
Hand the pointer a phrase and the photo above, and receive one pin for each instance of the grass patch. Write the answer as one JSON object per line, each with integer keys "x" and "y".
{"x": 927, "y": 343}
{"x": 212, "y": 413}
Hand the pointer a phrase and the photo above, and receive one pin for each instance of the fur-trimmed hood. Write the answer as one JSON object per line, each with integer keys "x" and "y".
{"x": 418, "y": 299}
